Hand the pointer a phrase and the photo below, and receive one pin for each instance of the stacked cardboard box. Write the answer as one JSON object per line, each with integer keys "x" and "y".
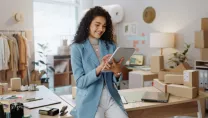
{"x": 157, "y": 64}
{"x": 189, "y": 89}
{"x": 201, "y": 39}
{"x": 182, "y": 91}
{"x": 173, "y": 79}
{"x": 160, "y": 85}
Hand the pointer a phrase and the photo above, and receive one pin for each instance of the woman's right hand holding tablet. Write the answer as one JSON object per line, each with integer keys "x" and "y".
{"x": 102, "y": 64}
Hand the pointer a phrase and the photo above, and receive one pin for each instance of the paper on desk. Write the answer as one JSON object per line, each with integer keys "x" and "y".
{"x": 131, "y": 97}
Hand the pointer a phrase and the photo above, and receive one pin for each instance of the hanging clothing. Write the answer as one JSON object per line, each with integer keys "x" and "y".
{"x": 15, "y": 54}
{"x": 5, "y": 53}
{"x": 22, "y": 55}
{"x": 1, "y": 53}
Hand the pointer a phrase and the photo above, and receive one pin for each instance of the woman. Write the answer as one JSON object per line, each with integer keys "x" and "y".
{"x": 96, "y": 95}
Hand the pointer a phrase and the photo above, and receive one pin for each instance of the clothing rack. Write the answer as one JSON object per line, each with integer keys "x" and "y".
{"x": 23, "y": 33}
{"x": 12, "y": 30}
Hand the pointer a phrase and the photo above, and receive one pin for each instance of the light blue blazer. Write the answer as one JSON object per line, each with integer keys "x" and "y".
{"x": 89, "y": 87}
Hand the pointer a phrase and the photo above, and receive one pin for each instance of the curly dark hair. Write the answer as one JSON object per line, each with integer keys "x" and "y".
{"x": 83, "y": 29}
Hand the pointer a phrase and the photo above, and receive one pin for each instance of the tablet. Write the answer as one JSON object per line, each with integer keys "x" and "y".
{"x": 120, "y": 52}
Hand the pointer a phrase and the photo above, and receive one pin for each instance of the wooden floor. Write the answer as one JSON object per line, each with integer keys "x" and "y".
{"x": 67, "y": 91}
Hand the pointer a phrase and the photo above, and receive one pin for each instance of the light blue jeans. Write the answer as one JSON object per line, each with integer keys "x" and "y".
{"x": 108, "y": 108}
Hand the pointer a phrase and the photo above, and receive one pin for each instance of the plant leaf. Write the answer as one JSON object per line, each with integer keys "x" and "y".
{"x": 35, "y": 63}
{"x": 42, "y": 62}
{"x": 51, "y": 68}
{"x": 40, "y": 52}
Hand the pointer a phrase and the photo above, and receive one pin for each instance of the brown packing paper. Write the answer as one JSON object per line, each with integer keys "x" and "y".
{"x": 182, "y": 91}
{"x": 204, "y": 54}
{"x": 201, "y": 39}
{"x": 161, "y": 75}
{"x": 157, "y": 63}
{"x": 191, "y": 78}
{"x": 173, "y": 79}
{"x": 160, "y": 85}
{"x": 204, "y": 23}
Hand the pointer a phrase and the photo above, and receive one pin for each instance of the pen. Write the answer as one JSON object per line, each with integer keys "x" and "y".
{"x": 33, "y": 99}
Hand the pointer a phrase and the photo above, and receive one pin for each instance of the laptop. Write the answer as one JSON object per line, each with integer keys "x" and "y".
{"x": 155, "y": 97}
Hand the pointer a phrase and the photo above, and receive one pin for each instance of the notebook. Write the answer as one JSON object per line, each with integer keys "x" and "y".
{"x": 40, "y": 103}
{"x": 155, "y": 97}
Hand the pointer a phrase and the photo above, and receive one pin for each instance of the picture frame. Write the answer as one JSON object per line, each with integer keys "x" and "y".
{"x": 130, "y": 28}
{"x": 137, "y": 60}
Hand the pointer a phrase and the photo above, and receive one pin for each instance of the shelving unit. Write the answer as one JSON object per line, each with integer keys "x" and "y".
{"x": 202, "y": 67}
{"x": 62, "y": 75}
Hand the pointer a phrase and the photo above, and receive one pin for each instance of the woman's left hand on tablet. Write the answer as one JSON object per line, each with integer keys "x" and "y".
{"x": 115, "y": 67}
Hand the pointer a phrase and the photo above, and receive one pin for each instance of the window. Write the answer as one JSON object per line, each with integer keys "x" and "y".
{"x": 54, "y": 20}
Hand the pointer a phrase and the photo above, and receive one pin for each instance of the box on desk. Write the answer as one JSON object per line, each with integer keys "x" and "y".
{"x": 173, "y": 79}
{"x": 204, "y": 23}
{"x": 161, "y": 75}
{"x": 182, "y": 91}
{"x": 160, "y": 85}
{"x": 201, "y": 39}
{"x": 15, "y": 83}
{"x": 204, "y": 53}
{"x": 137, "y": 79}
{"x": 74, "y": 90}
{"x": 191, "y": 78}
{"x": 157, "y": 63}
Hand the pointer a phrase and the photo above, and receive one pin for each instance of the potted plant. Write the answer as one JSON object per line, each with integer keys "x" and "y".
{"x": 179, "y": 57}
{"x": 43, "y": 66}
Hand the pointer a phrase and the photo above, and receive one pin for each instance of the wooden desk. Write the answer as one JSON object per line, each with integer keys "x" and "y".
{"x": 177, "y": 106}
{"x": 44, "y": 93}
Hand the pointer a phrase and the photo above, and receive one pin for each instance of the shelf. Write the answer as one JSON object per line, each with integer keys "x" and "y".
{"x": 204, "y": 67}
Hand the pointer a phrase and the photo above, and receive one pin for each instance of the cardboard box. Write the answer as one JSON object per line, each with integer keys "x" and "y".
{"x": 138, "y": 78}
{"x": 15, "y": 83}
{"x": 161, "y": 75}
{"x": 181, "y": 67}
{"x": 204, "y": 54}
{"x": 160, "y": 85}
{"x": 157, "y": 64}
{"x": 73, "y": 83}
{"x": 74, "y": 90}
{"x": 182, "y": 91}
{"x": 173, "y": 79}
{"x": 191, "y": 78}
{"x": 201, "y": 39}
{"x": 204, "y": 23}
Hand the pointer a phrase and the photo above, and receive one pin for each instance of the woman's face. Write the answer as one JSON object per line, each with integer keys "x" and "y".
{"x": 97, "y": 27}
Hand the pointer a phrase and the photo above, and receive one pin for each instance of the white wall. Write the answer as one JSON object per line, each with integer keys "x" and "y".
{"x": 7, "y": 10}
{"x": 180, "y": 16}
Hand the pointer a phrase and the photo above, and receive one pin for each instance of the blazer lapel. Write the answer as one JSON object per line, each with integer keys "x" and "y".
{"x": 91, "y": 53}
